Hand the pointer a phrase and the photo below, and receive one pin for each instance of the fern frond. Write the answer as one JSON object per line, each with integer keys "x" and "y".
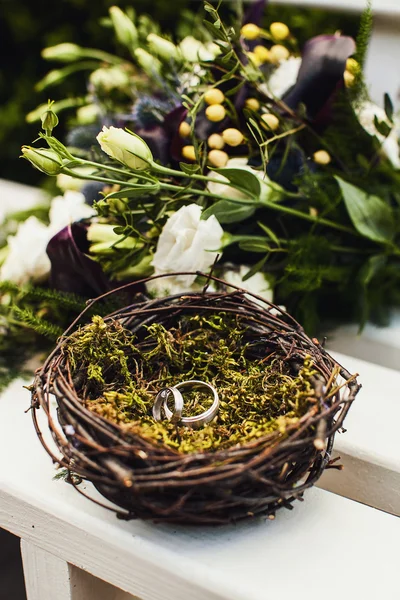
{"x": 28, "y": 318}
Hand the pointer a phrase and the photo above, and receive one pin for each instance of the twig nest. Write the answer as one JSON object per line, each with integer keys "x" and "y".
{"x": 281, "y": 400}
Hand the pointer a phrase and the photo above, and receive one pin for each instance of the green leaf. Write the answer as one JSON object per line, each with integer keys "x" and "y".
{"x": 229, "y": 212}
{"x": 372, "y": 266}
{"x": 255, "y": 268}
{"x": 217, "y": 33}
{"x": 189, "y": 169}
{"x": 388, "y": 107}
{"x": 382, "y": 127}
{"x": 243, "y": 180}
{"x": 269, "y": 233}
{"x": 370, "y": 215}
{"x": 255, "y": 246}
{"x": 228, "y": 239}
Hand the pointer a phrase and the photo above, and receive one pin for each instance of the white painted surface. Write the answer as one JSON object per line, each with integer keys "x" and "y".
{"x": 153, "y": 562}
{"x": 46, "y": 576}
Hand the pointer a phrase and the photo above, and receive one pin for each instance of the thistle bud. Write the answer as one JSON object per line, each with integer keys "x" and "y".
{"x": 250, "y": 31}
{"x": 128, "y": 148}
{"x": 279, "y": 31}
{"x": 124, "y": 28}
{"x": 45, "y": 160}
{"x": 65, "y": 52}
{"x": 164, "y": 48}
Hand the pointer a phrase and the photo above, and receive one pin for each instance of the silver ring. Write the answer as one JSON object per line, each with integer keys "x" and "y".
{"x": 198, "y": 420}
{"x": 161, "y": 400}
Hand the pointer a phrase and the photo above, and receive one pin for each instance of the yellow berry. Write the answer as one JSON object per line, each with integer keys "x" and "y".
{"x": 189, "y": 152}
{"x": 278, "y": 52}
{"x": 279, "y": 31}
{"x": 216, "y": 141}
{"x": 348, "y": 78}
{"x": 322, "y": 157}
{"x": 352, "y": 66}
{"x": 184, "y": 129}
{"x": 215, "y": 112}
{"x": 271, "y": 121}
{"x": 262, "y": 53}
{"x": 232, "y": 136}
{"x": 252, "y": 104}
{"x": 254, "y": 59}
{"x": 214, "y": 96}
{"x": 250, "y": 31}
{"x": 218, "y": 158}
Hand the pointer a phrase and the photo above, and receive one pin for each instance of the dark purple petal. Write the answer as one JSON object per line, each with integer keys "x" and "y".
{"x": 255, "y": 12}
{"x": 71, "y": 269}
{"x": 322, "y": 68}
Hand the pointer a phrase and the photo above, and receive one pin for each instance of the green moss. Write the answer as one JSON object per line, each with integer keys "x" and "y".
{"x": 123, "y": 373}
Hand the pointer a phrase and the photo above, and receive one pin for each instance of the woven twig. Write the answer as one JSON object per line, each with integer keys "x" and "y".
{"x": 151, "y": 481}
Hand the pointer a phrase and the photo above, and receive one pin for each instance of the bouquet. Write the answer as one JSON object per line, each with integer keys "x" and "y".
{"x": 232, "y": 149}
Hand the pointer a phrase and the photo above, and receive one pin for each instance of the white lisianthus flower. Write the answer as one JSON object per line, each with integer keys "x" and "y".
{"x": 128, "y": 148}
{"x": 187, "y": 243}
{"x": 227, "y": 191}
{"x": 67, "y": 209}
{"x": 284, "y": 77}
{"x": 27, "y": 259}
{"x": 366, "y": 114}
{"x": 194, "y": 51}
{"x": 256, "y": 284}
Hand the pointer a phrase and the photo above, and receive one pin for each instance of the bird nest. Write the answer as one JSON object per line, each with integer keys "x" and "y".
{"x": 282, "y": 398}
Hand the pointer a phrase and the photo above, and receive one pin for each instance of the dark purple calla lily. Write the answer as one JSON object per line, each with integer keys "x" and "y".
{"x": 71, "y": 269}
{"x": 321, "y": 71}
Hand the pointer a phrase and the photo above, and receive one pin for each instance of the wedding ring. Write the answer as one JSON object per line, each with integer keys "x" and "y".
{"x": 162, "y": 399}
{"x": 198, "y": 420}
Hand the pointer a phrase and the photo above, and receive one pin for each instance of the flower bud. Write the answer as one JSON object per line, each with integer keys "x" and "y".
{"x": 218, "y": 158}
{"x": 104, "y": 240}
{"x": 184, "y": 129}
{"x": 250, "y": 31}
{"x": 232, "y": 136}
{"x": 49, "y": 121}
{"x": 149, "y": 63}
{"x": 128, "y": 148}
{"x": 348, "y": 79}
{"x": 124, "y": 28}
{"x": 65, "y": 52}
{"x": 214, "y": 96}
{"x": 252, "y": 104}
{"x": 164, "y": 48}
{"x": 254, "y": 59}
{"x": 271, "y": 121}
{"x": 263, "y": 54}
{"x": 189, "y": 153}
{"x": 279, "y": 31}
{"x": 215, "y": 112}
{"x": 216, "y": 141}
{"x": 322, "y": 157}
{"x": 352, "y": 66}
{"x": 45, "y": 160}
{"x": 85, "y": 115}
{"x": 111, "y": 78}
{"x": 278, "y": 53}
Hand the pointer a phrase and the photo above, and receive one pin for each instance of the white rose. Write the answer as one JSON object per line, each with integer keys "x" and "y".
{"x": 226, "y": 191}
{"x": 284, "y": 77}
{"x": 194, "y": 51}
{"x": 366, "y": 114}
{"x": 168, "y": 286}
{"x": 257, "y": 284}
{"x": 67, "y": 209}
{"x": 128, "y": 148}
{"x": 187, "y": 243}
{"x": 27, "y": 259}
